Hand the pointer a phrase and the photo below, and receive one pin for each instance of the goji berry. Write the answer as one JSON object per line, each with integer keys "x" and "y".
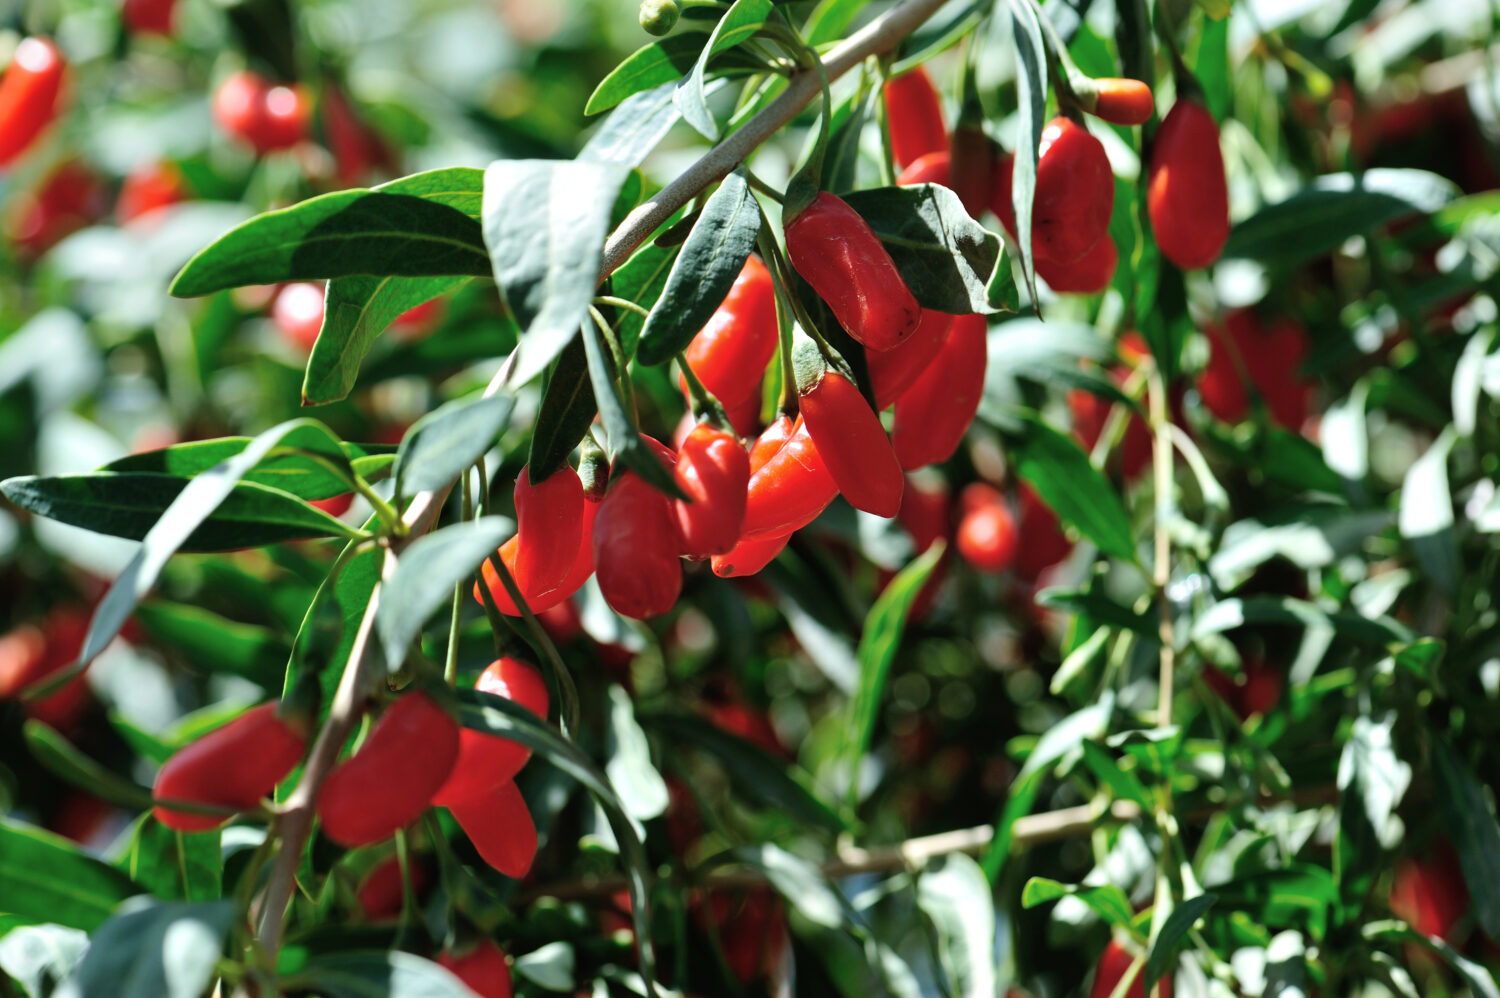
{"x": 971, "y": 167}
{"x": 636, "y": 545}
{"x": 713, "y": 470}
{"x": 486, "y": 761}
{"x": 499, "y": 825}
{"x": 483, "y": 969}
{"x": 357, "y": 150}
{"x": 29, "y": 94}
{"x": 583, "y": 567}
{"x": 852, "y": 442}
{"x": 1122, "y": 102}
{"x": 933, "y": 415}
{"x": 894, "y": 371}
{"x": 1429, "y": 892}
{"x": 791, "y": 488}
{"x": 837, "y": 252}
{"x": 334, "y": 505}
{"x": 987, "y": 537}
{"x": 1074, "y": 195}
{"x": 549, "y": 518}
{"x": 1090, "y": 412}
{"x": 389, "y": 782}
{"x": 929, "y": 169}
{"x": 149, "y": 187}
{"x": 914, "y": 115}
{"x": 1270, "y": 356}
{"x": 730, "y": 353}
{"x": 381, "y": 891}
{"x": 750, "y": 555}
{"x": 1087, "y": 276}
{"x": 149, "y": 17}
{"x": 1042, "y": 541}
{"x": 265, "y": 115}
{"x": 1113, "y": 964}
{"x": 1187, "y": 195}
{"x": 233, "y": 766}
{"x": 298, "y": 313}
{"x": 70, "y": 198}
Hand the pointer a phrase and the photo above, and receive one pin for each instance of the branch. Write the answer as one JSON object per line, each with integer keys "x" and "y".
{"x": 878, "y": 37}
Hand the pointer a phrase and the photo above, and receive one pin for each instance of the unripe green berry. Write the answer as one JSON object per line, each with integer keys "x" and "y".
{"x": 659, "y": 16}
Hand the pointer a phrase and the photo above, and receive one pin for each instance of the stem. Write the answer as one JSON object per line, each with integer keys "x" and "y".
{"x": 757, "y": 184}
{"x": 624, "y": 303}
{"x": 450, "y": 663}
{"x": 705, "y": 405}
{"x": 1161, "y": 453}
{"x": 781, "y": 278}
{"x": 772, "y": 255}
{"x": 568, "y": 694}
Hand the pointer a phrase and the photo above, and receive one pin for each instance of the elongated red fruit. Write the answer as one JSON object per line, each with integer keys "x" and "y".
{"x": 1187, "y": 195}
{"x": 28, "y": 95}
{"x": 1114, "y": 962}
{"x": 149, "y": 17}
{"x": 500, "y": 826}
{"x": 1075, "y": 192}
{"x": 987, "y": 536}
{"x": 636, "y": 545}
{"x": 915, "y": 116}
{"x": 1122, "y": 101}
{"x": 233, "y": 766}
{"x": 750, "y": 555}
{"x": 837, "y": 252}
{"x": 148, "y": 188}
{"x": 929, "y": 169}
{"x": 549, "y": 525}
{"x": 389, "y": 782}
{"x": 790, "y": 489}
{"x": 730, "y": 353}
{"x": 583, "y": 567}
{"x": 853, "y": 443}
{"x": 771, "y": 440}
{"x": 1087, "y": 276}
{"x": 713, "y": 469}
{"x": 971, "y": 167}
{"x": 935, "y": 413}
{"x": 486, "y": 761}
{"x": 894, "y": 371}
{"x": 482, "y": 969}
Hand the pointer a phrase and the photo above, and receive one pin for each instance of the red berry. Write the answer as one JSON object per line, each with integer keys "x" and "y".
{"x": 1113, "y": 964}
{"x": 298, "y": 313}
{"x": 388, "y": 783}
{"x": 482, "y": 969}
{"x": 501, "y": 828}
{"x": 1042, "y": 541}
{"x": 915, "y": 117}
{"x": 148, "y": 17}
{"x": 1087, "y": 276}
{"x": 636, "y": 545}
{"x": 929, "y": 169}
{"x": 892, "y": 372}
{"x": 486, "y": 761}
{"x": 383, "y": 888}
{"x": 791, "y": 487}
{"x": 1123, "y": 102}
{"x": 987, "y": 537}
{"x": 713, "y": 470}
{"x": 583, "y": 567}
{"x": 730, "y": 353}
{"x": 70, "y": 198}
{"x": 1269, "y": 356}
{"x": 28, "y": 95}
{"x": 265, "y": 115}
{"x": 933, "y": 415}
{"x": 549, "y": 517}
{"x": 971, "y": 167}
{"x": 1187, "y": 195}
{"x": 148, "y": 188}
{"x": 1429, "y": 892}
{"x": 233, "y": 766}
{"x": 853, "y": 444}
{"x": 334, "y": 505}
{"x": 1075, "y": 192}
{"x": 750, "y": 555}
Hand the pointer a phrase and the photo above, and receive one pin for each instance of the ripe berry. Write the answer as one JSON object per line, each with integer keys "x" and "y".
{"x": 892, "y": 372}
{"x": 149, "y": 187}
{"x": 1269, "y": 355}
{"x": 1123, "y": 102}
{"x": 792, "y": 485}
{"x": 486, "y": 761}
{"x": 29, "y": 95}
{"x": 538, "y": 602}
{"x": 929, "y": 169}
{"x": 381, "y": 891}
{"x": 483, "y": 969}
{"x": 298, "y": 313}
{"x": 1113, "y": 964}
{"x": 1187, "y": 195}
{"x": 636, "y": 545}
{"x": 1075, "y": 193}
{"x": 915, "y": 117}
{"x": 750, "y": 555}
{"x": 148, "y": 17}
{"x": 265, "y": 115}
{"x": 987, "y": 537}
{"x": 853, "y": 444}
{"x": 933, "y": 415}
{"x": 713, "y": 470}
{"x": 1429, "y": 892}
{"x": 233, "y": 766}
{"x": 549, "y": 517}
{"x": 500, "y": 827}
{"x": 1087, "y": 276}
{"x": 730, "y": 353}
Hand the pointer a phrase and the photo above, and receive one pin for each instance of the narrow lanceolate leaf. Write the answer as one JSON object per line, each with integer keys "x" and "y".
{"x": 640, "y": 279}
{"x": 710, "y": 260}
{"x": 130, "y": 505}
{"x": 739, "y": 24}
{"x": 877, "y": 650}
{"x": 48, "y": 879}
{"x": 955, "y": 896}
{"x": 1031, "y": 101}
{"x": 153, "y": 949}
{"x": 649, "y": 66}
{"x": 425, "y": 576}
{"x": 326, "y": 636}
{"x": 568, "y": 407}
{"x": 947, "y": 259}
{"x": 1163, "y": 955}
{"x": 544, "y": 224}
{"x": 1471, "y": 826}
{"x": 497, "y": 716}
{"x": 355, "y": 311}
{"x": 1331, "y": 209}
{"x": 625, "y": 443}
{"x": 440, "y": 445}
{"x": 213, "y": 644}
{"x": 634, "y": 128}
{"x": 1425, "y": 518}
{"x": 630, "y": 769}
{"x": 64, "y": 760}
{"x": 1060, "y": 472}
{"x": 336, "y": 235}
{"x": 1371, "y": 777}
{"x": 305, "y": 471}
{"x": 1106, "y": 899}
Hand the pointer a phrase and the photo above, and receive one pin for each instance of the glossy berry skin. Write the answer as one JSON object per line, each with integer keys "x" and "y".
{"x": 791, "y": 488}
{"x": 549, "y": 517}
{"x": 713, "y": 469}
{"x": 357, "y": 151}
{"x": 730, "y": 353}
{"x": 233, "y": 766}
{"x": 29, "y": 654}
{"x": 1087, "y": 276}
{"x": 298, "y": 313}
{"x": 500, "y": 826}
{"x": 933, "y": 415}
{"x": 915, "y": 116}
{"x": 750, "y": 555}
{"x": 28, "y": 95}
{"x": 987, "y": 537}
{"x": 334, "y": 505}
{"x": 1123, "y": 102}
{"x": 484, "y": 760}
{"x": 837, "y": 252}
{"x": 381, "y": 891}
{"x": 1270, "y": 355}
{"x": 971, "y": 167}
{"x": 1187, "y": 195}
{"x": 483, "y": 969}
{"x": 149, "y": 188}
{"x": 1113, "y": 964}
{"x": 148, "y": 17}
{"x": 388, "y": 783}
{"x": 1429, "y": 892}
{"x": 583, "y": 567}
{"x": 636, "y": 545}
{"x": 264, "y": 115}
{"x": 1075, "y": 192}
{"x": 894, "y": 371}
{"x": 929, "y": 169}
{"x": 853, "y": 444}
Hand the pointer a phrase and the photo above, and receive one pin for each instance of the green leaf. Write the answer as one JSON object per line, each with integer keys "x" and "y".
{"x": 131, "y": 505}
{"x": 425, "y": 576}
{"x": 1031, "y": 105}
{"x": 372, "y": 974}
{"x": 647, "y": 68}
{"x": 642, "y": 790}
{"x": 1122, "y": 783}
{"x": 1106, "y": 899}
{"x": 1295, "y": 896}
{"x": 955, "y": 896}
{"x": 1425, "y": 518}
{"x": 878, "y": 643}
{"x": 947, "y": 27}
{"x": 639, "y": 124}
{"x": 356, "y": 310}
{"x": 326, "y": 635}
{"x": 47, "y": 878}
{"x": 1060, "y": 472}
{"x": 1470, "y": 824}
{"x": 61, "y": 758}
{"x": 640, "y": 279}
{"x": 1331, "y": 209}
{"x": 544, "y": 223}
{"x": 1479, "y": 979}
{"x": 752, "y": 769}
{"x": 710, "y": 260}
{"x": 299, "y": 465}
{"x": 739, "y": 24}
{"x": 947, "y": 259}
{"x": 337, "y": 235}
{"x": 495, "y": 715}
{"x": 213, "y": 644}
{"x": 1163, "y": 955}
{"x": 174, "y": 866}
{"x": 444, "y": 443}
{"x": 625, "y": 443}
{"x": 568, "y": 408}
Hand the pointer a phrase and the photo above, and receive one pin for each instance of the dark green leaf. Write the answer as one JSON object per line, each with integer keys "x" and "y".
{"x": 710, "y": 260}
{"x": 47, "y": 878}
{"x": 211, "y": 643}
{"x": 545, "y": 223}
{"x": 155, "y": 950}
{"x": 331, "y": 622}
{"x": 1470, "y": 824}
{"x": 640, "y": 279}
{"x": 172, "y": 865}
{"x": 625, "y": 443}
{"x": 338, "y": 235}
{"x": 568, "y": 407}
{"x": 944, "y": 29}
{"x": 1163, "y": 955}
{"x": 739, "y": 24}
{"x": 299, "y": 464}
{"x": 443, "y": 443}
{"x": 947, "y": 259}
{"x": 647, "y": 68}
{"x": 1060, "y": 472}
{"x": 61, "y": 758}
{"x": 1229, "y": 614}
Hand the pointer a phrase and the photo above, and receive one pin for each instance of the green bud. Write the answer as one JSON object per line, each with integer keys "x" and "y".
{"x": 659, "y": 16}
